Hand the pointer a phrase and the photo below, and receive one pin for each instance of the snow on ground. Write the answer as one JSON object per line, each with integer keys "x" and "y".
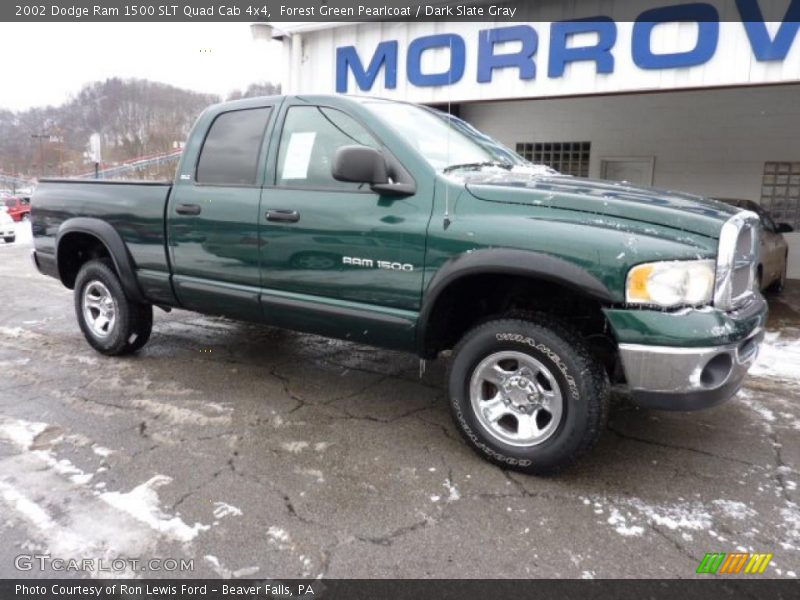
{"x": 223, "y": 509}
{"x": 778, "y": 358}
{"x": 70, "y": 515}
{"x": 142, "y": 504}
{"x": 631, "y": 517}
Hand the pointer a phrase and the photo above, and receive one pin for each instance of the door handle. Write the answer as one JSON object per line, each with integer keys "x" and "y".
{"x": 283, "y": 215}
{"x": 188, "y": 209}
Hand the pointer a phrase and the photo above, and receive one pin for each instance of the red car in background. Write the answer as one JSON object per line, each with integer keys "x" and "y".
{"x": 18, "y": 207}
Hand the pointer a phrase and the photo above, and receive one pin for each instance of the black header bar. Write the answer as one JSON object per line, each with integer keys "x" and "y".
{"x": 310, "y": 11}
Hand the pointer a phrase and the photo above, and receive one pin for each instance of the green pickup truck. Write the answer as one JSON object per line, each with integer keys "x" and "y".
{"x": 395, "y": 225}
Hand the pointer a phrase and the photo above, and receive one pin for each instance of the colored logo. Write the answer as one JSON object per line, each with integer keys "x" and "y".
{"x": 735, "y": 563}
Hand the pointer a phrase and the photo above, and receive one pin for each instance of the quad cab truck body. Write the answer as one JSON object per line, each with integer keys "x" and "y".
{"x": 392, "y": 225}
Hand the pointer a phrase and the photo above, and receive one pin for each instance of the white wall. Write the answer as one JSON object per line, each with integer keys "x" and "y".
{"x": 733, "y": 62}
{"x": 713, "y": 142}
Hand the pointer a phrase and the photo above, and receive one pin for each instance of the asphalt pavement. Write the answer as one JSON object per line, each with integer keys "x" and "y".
{"x": 245, "y": 451}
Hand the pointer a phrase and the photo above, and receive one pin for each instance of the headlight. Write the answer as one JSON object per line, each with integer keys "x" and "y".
{"x": 671, "y": 283}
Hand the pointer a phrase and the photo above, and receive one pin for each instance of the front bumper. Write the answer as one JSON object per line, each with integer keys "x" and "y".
{"x": 673, "y": 377}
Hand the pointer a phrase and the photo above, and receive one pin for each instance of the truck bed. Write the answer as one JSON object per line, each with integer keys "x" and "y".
{"x": 135, "y": 209}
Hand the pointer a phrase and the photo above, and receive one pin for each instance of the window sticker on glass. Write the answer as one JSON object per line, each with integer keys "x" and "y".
{"x": 298, "y": 155}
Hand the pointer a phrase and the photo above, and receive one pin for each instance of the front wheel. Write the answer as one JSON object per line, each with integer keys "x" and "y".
{"x": 526, "y": 394}
{"x": 112, "y": 324}
{"x": 10, "y": 239}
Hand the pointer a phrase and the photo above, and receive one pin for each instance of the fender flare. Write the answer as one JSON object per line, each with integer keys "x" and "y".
{"x": 494, "y": 261}
{"x": 114, "y": 244}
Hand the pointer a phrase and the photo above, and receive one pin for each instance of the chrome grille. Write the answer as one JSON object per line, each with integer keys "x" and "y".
{"x": 737, "y": 257}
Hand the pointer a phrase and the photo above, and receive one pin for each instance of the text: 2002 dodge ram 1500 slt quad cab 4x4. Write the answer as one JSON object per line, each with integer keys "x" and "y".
{"x": 394, "y": 225}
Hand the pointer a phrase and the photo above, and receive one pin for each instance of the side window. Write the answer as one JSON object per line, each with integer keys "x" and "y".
{"x": 311, "y": 135}
{"x": 231, "y": 149}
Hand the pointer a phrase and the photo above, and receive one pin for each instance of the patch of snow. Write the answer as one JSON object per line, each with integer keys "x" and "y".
{"x": 222, "y": 509}
{"x": 13, "y": 332}
{"x": 179, "y": 415}
{"x": 621, "y": 526}
{"x": 778, "y": 359}
{"x": 226, "y": 573}
{"x": 142, "y": 504}
{"x": 294, "y": 447}
{"x": 101, "y": 451}
{"x": 453, "y": 493}
{"x": 756, "y": 406}
{"x": 65, "y": 467}
{"x": 734, "y": 509}
{"x": 20, "y": 432}
{"x": 316, "y": 473}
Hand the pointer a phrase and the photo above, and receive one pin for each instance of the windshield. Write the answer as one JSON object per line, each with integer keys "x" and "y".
{"x": 445, "y": 141}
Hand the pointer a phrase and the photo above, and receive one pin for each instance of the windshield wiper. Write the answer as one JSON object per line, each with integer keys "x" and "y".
{"x": 478, "y": 165}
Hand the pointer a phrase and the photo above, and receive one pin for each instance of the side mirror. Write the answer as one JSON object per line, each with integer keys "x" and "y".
{"x": 783, "y": 228}
{"x": 359, "y": 164}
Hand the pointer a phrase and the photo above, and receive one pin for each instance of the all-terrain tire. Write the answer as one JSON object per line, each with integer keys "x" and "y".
{"x": 125, "y": 326}
{"x": 563, "y": 362}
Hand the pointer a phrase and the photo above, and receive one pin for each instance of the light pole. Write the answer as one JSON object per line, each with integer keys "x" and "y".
{"x": 41, "y": 137}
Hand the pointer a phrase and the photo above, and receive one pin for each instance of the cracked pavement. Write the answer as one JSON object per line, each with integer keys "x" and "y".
{"x": 257, "y": 452}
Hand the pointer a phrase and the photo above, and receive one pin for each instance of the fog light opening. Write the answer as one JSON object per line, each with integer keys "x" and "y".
{"x": 716, "y": 370}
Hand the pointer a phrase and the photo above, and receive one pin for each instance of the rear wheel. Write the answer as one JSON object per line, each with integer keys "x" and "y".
{"x": 112, "y": 324}
{"x": 526, "y": 394}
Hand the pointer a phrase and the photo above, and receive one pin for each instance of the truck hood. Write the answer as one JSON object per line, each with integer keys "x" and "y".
{"x": 677, "y": 210}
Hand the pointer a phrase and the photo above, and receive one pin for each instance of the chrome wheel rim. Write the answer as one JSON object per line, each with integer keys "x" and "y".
{"x": 99, "y": 309}
{"x": 516, "y": 398}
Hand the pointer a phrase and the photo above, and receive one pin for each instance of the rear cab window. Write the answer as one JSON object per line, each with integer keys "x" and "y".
{"x": 231, "y": 151}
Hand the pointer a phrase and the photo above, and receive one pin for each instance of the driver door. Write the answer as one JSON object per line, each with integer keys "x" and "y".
{"x": 326, "y": 240}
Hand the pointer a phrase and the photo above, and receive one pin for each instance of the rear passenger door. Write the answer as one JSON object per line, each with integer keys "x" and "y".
{"x": 212, "y": 217}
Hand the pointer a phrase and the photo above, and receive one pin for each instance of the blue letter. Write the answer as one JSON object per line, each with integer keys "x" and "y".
{"x": 707, "y": 19}
{"x": 765, "y": 48}
{"x": 560, "y": 55}
{"x": 385, "y": 54}
{"x": 523, "y": 60}
{"x": 458, "y": 54}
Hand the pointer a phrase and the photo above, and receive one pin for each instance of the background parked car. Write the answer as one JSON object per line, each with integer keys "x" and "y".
{"x": 774, "y": 249}
{"x": 7, "y": 230}
{"x": 18, "y": 207}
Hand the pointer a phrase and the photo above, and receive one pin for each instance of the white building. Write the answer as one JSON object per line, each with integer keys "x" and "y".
{"x": 703, "y": 97}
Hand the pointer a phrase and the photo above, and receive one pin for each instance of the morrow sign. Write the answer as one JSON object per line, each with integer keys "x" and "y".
{"x": 765, "y": 46}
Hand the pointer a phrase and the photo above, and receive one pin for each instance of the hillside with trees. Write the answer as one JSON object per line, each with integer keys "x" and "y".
{"x": 133, "y": 117}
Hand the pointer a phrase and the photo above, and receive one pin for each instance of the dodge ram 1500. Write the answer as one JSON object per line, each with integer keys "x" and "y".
{"x": 394, "y": 225}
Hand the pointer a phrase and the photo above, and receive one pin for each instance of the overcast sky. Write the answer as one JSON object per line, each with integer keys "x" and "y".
{"x": 46, "y": 63}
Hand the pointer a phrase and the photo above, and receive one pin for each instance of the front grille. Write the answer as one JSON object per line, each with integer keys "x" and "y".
{"x": 736, "y": 259}
{"x": 744, "y": 260}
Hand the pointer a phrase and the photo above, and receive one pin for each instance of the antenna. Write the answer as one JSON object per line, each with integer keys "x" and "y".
{"x": 446, "y": 222}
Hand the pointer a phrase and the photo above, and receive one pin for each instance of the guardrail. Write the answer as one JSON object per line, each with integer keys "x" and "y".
{"x": 133, "y": 165}
{"x": 15, "y": 182}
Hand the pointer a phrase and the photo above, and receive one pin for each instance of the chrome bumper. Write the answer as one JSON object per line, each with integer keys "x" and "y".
{"x": 672, "y": 378}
